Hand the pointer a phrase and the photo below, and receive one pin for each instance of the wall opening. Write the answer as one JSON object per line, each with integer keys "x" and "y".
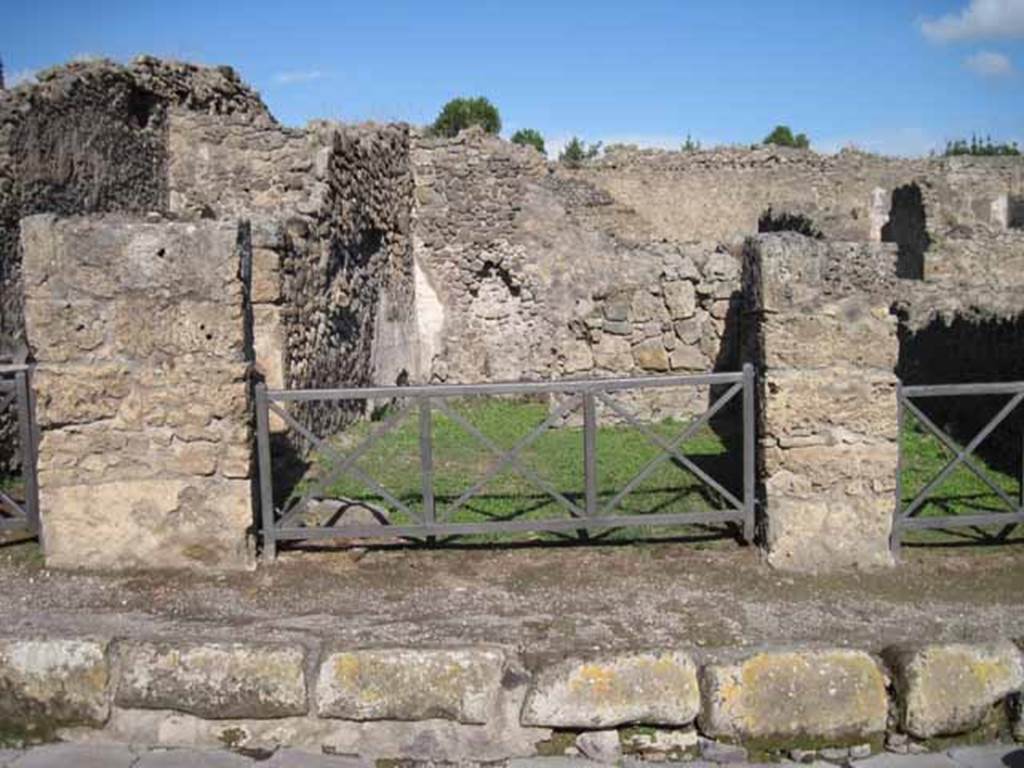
{"x": 1015, "y": 211}
{"x": 783, "y": 221}
{"x": 907, "y": 227}
{"x": 968, "y": 348}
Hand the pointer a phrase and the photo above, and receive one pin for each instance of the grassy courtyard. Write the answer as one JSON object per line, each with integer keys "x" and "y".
{"x": 556, "y": 458}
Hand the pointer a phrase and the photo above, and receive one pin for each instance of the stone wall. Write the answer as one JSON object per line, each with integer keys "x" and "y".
{"x": 140, "y": 333}
{"x": 92, "y": 137}
{"x": 522, "y": 273}
{"x": 483, "y": 703}
{"x": 348, "y": 277}
{"x": 818, "y": 326}
{"x": 720, "y": 194}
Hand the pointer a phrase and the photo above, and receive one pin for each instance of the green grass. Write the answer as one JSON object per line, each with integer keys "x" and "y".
{"x": 961, "y": 493}
{"x": 460, "y": 460}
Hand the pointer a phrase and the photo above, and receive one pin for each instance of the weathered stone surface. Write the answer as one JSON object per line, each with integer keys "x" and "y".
{"x": 949, "y": 689}
{"x": 657, "y": 688}
{"x": 651, "y": 356}
{"x": 213, "y": 680}
{"x": 190, "y": 758}
{"x": 600, "y": 746}
{"x": 680, "y": 298}
{"x": 140, "y": 524}
{"x": 410, "y": 684}
{"x": 142, "y": 391}
{"x": 988, "y": 756}
{"x": 809, "y": 529}
{"x": 294, "y": 758}
{"x": 45, "y": 683}
{"x": 784, "y": 697}
{"x": 78, "y": 756}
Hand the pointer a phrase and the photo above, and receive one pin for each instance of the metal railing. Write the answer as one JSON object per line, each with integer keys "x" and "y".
{"x": 19, "y": 496}
{"x": 286, "y": 522}
{"x": 906, "y": 516}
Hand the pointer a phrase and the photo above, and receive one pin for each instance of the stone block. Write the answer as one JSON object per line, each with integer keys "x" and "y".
{"x": 650, "y": 355}
{"x": 823, "y": 531}
{"x": 852, "y": 402}
{"x": 114, "y": 258}
{"x": 266, "y": 276}
{"x": 48, "y": 683}
{"x": 410, "y": 684}
{"x": 680, "y": 298}
{"x": 688, "y": 358}
{"x": 213, "y": 680}
{"x": 648, "y": 687}
{"x": 647, "y": 307}
{"x": 850, "y": 333}
{"x": 785, "y": 698}
{"x": 613, "y": 353}
{"x": 137, "y": 524}
{"x": 949, "y": 689}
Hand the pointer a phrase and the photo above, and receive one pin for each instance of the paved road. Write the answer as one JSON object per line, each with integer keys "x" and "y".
{"x": 119, "y": 756}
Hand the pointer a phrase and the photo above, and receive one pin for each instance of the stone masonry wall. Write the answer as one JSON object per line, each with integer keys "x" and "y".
{"x": 139, "y": 330}
{"x": 522, "y": 273}
{"x": 348, "y": 278}
{"x": 818, "y": 326}
{"x": 92, "y": 137}
{"x": 720, "y": 193}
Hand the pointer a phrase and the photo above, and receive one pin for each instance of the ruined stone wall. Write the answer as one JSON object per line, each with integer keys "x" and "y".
{"x": 140, "y": 333}
{"x": 92, "y": 137}
{"x": 720, "y": 194}
{"x": 348, "y": 277}
{"x": 819, "y": 328}
{"x": 524, "y": 273}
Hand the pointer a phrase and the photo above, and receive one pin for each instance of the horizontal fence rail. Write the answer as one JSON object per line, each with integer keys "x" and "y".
{"x": 583, "y": 397}
{"x": 907, "y": 514}
{"x": 19, "y": 493}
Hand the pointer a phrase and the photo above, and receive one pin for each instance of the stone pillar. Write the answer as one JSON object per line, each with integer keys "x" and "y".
{"x": 140, "y": 335}
{"x": 819, "y": 329}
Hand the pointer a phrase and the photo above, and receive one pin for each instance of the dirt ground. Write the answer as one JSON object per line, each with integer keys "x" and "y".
{"x": 541, "y": 599}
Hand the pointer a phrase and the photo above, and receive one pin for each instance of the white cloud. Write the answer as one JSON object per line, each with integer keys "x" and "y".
{"x": 989, "y": 64}
{"x": 290, "y": 78}
{"x": 981, "y": 19}
{"x": 20, "y": 77}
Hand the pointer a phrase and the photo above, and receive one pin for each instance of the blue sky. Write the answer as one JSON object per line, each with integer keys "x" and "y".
{"x": 896, "y": 76}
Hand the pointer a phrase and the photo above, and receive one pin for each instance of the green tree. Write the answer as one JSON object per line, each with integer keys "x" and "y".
{"x": 577, "y": 152}
{"x": 530, "y": 138}
{"x": 458, "y": 114}
{"x": 690, "y": 145}
{"x": 783, "y": 136}
{"x": 979, "y": 147}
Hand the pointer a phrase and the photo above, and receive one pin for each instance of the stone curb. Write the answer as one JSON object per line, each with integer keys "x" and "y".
{"x": 773, "y": 699}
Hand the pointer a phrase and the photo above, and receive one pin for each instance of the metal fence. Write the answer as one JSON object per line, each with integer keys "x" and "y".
{"x": 908, "y": 513}
{"x": 285, "y": 520}
{"x": 19, "y": 493}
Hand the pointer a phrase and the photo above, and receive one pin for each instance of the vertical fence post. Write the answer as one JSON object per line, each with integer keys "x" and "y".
{"x": 27, "y": 433}
{"x": 895, "y": 534}
{"x": 265, "y": 469}
{"x": 749, "y": 439}
{"x": 427, "y": 461}
{"x": 590, "y": 453}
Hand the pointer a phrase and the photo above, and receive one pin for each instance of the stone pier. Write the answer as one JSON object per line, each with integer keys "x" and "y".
{"x": 819, "y": 328}
{"x": 140, "y": 333}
